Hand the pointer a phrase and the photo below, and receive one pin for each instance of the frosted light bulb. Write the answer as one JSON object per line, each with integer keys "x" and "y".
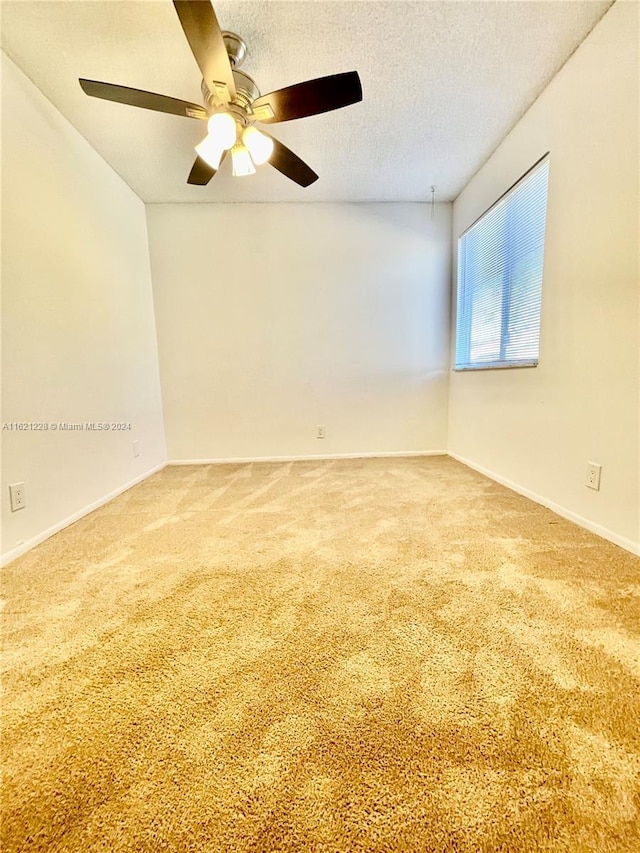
{"x": 210, "y": 151}
{"x": 260, "y": 146}
{"x": 241, "y": 160}
{"x": 222, "y": 129}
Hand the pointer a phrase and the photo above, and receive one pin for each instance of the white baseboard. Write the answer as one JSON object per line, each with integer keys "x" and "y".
{"x": 19, "y": 550}
{"x": 312, "y": 458}
{"x": 580, "y": 520}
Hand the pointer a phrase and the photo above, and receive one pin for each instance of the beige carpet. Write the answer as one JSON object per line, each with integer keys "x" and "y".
{"x": 380, "y": 655}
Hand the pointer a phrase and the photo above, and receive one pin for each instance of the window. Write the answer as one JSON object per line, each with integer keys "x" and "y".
{"x": 500, "y": 278}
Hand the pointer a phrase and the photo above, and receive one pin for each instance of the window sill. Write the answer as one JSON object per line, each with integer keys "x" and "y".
{"x": 498, "y": 366}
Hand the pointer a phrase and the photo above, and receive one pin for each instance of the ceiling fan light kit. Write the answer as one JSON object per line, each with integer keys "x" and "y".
{"x": 260, "y": 146}
{"x": 232, "y": 102}
{"x": 241, "y": 161}
{"x": 222, "y": 128}
{"x": 211, "y": 151}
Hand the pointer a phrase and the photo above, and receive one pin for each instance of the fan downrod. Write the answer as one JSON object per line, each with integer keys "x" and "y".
{"x": 236, "y": 48}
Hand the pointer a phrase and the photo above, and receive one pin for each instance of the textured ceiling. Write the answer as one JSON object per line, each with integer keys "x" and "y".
{"x": 443, "y": 83}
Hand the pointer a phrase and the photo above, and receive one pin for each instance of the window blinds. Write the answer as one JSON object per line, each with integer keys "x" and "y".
{"x": 500, "y": 262}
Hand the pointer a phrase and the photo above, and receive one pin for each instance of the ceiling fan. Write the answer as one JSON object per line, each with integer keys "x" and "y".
{"x": 232, "y": 102}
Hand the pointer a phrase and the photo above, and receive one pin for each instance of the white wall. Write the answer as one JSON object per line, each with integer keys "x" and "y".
{"x": 537, "y": 428}
{"x": 275, "y": 318}
{"x": 78, "y": 336}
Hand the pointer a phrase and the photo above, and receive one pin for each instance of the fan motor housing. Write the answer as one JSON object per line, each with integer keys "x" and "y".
{"x": 246, "y": 88}
{"x": 246, "y": 91}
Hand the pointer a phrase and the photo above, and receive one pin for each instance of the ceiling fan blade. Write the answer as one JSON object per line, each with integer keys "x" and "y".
{"x": 204, "y": 35}
{"x": 201, "y": 172}
{"x": 289, "y": 164}
{"x": 312, "y": 97}
{"x": 139, "y": 98}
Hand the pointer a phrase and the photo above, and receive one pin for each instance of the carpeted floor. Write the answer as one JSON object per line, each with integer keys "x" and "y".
{"x": 379, "y": 655}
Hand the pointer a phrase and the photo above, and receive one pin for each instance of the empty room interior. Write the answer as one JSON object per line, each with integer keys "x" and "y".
{"x": 320, "y": 426}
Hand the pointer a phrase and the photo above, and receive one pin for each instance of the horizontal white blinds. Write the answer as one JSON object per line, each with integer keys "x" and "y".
{"x": 500, "y": 278}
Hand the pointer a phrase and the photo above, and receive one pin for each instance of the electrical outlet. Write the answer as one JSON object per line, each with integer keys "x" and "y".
{"x": 136, "y": 448}
{"x": 593, "y": 476}
{"x": 320, "y": 431}
{"x": 18, "y": 498}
